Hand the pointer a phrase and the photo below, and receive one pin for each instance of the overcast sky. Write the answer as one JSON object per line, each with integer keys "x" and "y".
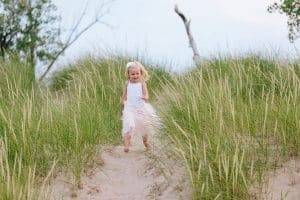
{"x": 152, "y": 28}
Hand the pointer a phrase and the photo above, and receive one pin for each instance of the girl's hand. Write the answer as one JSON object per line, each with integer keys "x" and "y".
{"x": 145, "y": 97}
{"x": 122, "y": 101}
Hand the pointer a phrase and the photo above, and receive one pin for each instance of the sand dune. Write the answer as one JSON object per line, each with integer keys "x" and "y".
{"x": 137, "y": 175}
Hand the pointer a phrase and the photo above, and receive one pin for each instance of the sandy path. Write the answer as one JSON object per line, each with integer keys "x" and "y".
{"x": 137, "y": 175}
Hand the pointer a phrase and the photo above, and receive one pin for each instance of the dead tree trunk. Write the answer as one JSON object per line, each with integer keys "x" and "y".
{"x": 192, "y": 42}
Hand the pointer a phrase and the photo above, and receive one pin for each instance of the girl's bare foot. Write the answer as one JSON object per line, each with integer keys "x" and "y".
{"x": 126, "y": 143}
{"x": 146, "y": 144}
{"x": 145, "y": 141}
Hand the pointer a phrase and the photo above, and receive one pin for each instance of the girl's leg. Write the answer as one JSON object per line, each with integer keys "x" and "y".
{"x": 127, "y": 142}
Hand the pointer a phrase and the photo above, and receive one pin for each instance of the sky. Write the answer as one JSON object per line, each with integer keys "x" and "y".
{"x": 153, "y": 30}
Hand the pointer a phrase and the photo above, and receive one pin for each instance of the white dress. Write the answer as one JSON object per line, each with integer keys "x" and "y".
{"x": 138, "y": 116}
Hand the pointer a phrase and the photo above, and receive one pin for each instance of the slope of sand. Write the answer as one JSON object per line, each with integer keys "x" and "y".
{"x": 137, "y": 175}
{"x": 285, "y": 182}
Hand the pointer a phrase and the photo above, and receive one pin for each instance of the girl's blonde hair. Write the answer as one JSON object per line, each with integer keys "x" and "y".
{"x": 144, "y": 73}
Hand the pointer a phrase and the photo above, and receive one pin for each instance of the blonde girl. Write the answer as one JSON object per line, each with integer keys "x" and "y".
{"x": 138, "y": 116}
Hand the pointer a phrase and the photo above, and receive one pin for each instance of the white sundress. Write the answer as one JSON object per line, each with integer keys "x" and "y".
{"x": 138, "y": 116}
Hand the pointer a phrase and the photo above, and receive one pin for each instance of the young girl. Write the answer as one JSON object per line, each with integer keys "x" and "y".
{"x": 138, "y": 116}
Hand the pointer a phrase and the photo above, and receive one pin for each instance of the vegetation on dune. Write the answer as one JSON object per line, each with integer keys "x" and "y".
{"x": 230, "y": 119}
{"x": 42, "y": 129}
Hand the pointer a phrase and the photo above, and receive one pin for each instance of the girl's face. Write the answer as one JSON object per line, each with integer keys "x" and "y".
{"x": 134, "y": 74}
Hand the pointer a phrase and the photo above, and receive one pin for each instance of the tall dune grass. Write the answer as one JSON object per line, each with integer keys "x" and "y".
{"x": 17, "y": 177}
{"x": 42, "y": 130}
{"x": 231, "y": 119}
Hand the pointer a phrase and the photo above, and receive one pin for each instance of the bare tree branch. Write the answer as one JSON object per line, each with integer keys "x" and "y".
{"x": 71, "y": 38}
{"x": 192, "y": 42}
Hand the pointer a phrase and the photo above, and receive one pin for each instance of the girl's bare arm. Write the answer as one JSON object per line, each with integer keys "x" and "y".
{"x": 145, "y": 91}
{"x": 124, "y": 96}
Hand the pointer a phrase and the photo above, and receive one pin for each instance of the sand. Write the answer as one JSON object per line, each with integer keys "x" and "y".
{"x": 137, "y": 175}
{"x": 284, "y": 182}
